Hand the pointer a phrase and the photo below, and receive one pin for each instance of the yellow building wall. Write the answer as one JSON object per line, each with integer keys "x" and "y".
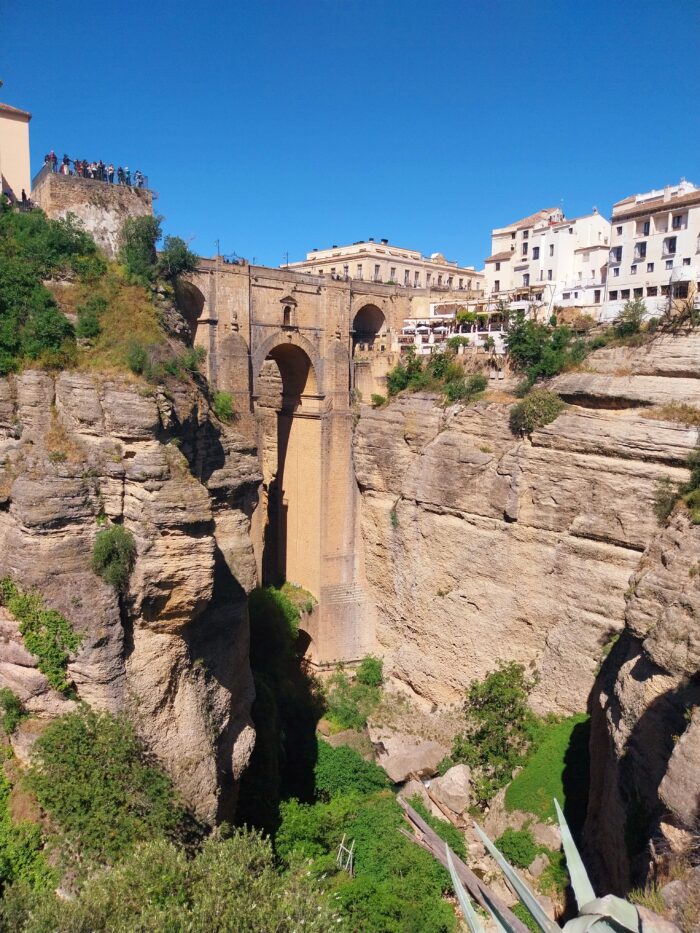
{"x": 14, "y": 153}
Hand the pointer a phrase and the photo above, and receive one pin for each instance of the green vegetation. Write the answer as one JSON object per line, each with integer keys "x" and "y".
{"x": 539, "y": 407}
{"x": 522, "y": 913}
{"x": 667, "y": 493}
{"x": 89, "y": 315}
{"x": 230, "y": 884}
{"x": 441, "y": 373}
{"x": 397, "y": 886}
{"x": 629, "y": 321}
{"x": 558, "y": 767}
{"x": 139, "y": 256}
{"x": 542, "y": 350}
{"x": 342, "y": 771}
{"x": 21, "y": 848}
{"x": 518, "y": 846}
{"x": 13, "y": 711}
{"x": 499, "y": 729}
{"x": 222, "y": 403}
{"x": 113, "y": 555}
{"x": 154, "y": 365}
{"x": 91, "y": 776}
{"x": 446, "y": 831}
{"x": 46, "y": 633}
{"x": 377, "y": 400}
{"x": 350, "y": 702}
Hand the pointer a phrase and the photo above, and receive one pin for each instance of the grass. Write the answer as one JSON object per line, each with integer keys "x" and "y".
{"x": 556, "y": 769}
{"x": 674, "y": 411}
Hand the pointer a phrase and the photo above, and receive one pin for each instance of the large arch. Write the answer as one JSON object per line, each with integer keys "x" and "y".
{"x": 281, "y": 338}
{"x": 190, "y": 301}
{"x": 290, "y": 427}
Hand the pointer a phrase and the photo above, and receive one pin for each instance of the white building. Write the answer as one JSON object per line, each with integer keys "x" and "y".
{"x": 383, "y": 262}
{"x": 545, "y": 261}
{"x": 655, "y": 248}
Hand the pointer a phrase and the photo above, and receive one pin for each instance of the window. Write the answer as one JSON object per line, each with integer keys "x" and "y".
{"x": 669, "y": 245}
{"x": 633, "y": 269}
{"x": 551, "y": 249}
{"x": 392, "y": 273}
{"x": 287, "y": 316}
{"x": 596, "y": 296}
{"x": 535, "y": 252}
{"x": 541, "y": 275}
{"x": 549, "y": 275}
{"x": 669, "y": 264}
{"x": 664, "y": 289}
{"x": 677, "y": 222}
{"x": 524, "y": 249}
{"x": 526, "y": 279}
{"x": 616, "y": 254}
{"x": 428, "y": 276}
{"x": 650, "y": 267}
{"x": 616, "y": 271}
{"x": 526, "y": 234}
{"x": 497, "y": 285}
{"x": 439, "y": 281}
{"x": 449, "y": 281}
{"x": 652, "y": 291}
{"x": 498, "y": 267}
{"x": 640, "y": 251}
{"x": 613, "y": 296}
{"x": 359, "y": 270}
{"x": 680, "y": 290}
{"x": 377, "y": 277}
{"x": 645, "y": 227}
{"x": 686, "y": 262}
{"x": 461, "y": 283}
{"x": 332, "y": 270}
{"x": 416, "y": 279}
{"x": 566, "y": 295}
{"x": 405, "y": 277}
{"x": 638, "y": 292}
{"x": 575, "y": 294}
{"x": 346, "y": 271}
{"x": 624, "y": 294}
{"x": 618, "y": 231}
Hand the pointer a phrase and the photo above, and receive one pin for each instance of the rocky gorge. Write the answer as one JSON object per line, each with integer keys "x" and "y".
{"x": 546, "y": 549}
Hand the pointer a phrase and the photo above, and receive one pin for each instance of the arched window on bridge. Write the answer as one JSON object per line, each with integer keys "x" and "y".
{"x": 368, "y": 324}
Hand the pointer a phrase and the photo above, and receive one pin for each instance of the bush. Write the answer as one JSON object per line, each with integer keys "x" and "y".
{"x": 465, "y": 389}
{"x": 222, "y": 403}
{"x": 137, "y": 250}
{"x": 371, "y": 672}
{"x": 454, "y": 343}
{"x": 137, "y": 358}
{"x": 91, "y": 775}
{"x": 21, "y": 849}
{"x": 350, "y": 703}
{"x": 539, "y": 407}
{"x": 666, "y": 494}
{"x": 343, "y": 771}
{"x": 377, "y": 400}
{"x": 176, "y": 259}
{"x": 89, "y": 317}
{"x": 499, "y": 728}
{"x": 542, "y": 350}
{"x": 13, "y": 711}
{"x": 113, "y": 555}
{"x": 629, "y": 320}
{"x": 518, "y": 847}
{"x": 46, "y": 634}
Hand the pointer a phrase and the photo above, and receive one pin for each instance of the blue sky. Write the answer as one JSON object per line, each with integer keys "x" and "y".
{"x": 276, "y": 127}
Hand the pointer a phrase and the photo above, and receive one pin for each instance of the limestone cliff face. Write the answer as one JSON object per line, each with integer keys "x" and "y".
{"x": 479, "y": 545}
{"x": 174, "y": 653}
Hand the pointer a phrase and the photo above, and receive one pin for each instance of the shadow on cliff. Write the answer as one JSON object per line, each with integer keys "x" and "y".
{"x": 286, "y": 711}
{"x": 625, "y": 810}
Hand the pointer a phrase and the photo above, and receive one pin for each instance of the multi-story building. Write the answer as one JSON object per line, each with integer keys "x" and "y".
{"x": 383, "y": 262}
{"x": 546, "y": 261}
{"x": 14, "y": 151}
{"x": 654, "y": 248}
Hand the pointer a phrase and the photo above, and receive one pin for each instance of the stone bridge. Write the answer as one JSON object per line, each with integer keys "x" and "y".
{"x": 290, "y": 347}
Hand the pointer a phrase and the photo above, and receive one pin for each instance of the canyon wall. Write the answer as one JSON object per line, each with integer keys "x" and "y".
{"x": 480, "y": 545}
{"x": 78, "y": 450}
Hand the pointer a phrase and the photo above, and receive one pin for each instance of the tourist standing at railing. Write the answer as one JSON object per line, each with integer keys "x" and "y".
{"x": 110, "y": 173}
{"x": 127, "y": 175}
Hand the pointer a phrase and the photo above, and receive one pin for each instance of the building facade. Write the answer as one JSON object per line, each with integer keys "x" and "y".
{"x": 14, "y": 151}
{"x": 654, "y": 248}
{"x": 383, "y": 262}
{"x": 545, "y": 261}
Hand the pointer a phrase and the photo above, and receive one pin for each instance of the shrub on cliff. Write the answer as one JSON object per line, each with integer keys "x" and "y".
{"x": 11, "y": 709}
{"x": 176, "y": 259}
{"x": 499, "y": 728}
{"x": 92, "y": 776}
{"x": 21, "y": 848}
{"x": 542, "y": 350}
{"x": 343, "y": 771}
{"x": 539, "y": 407}
{"x": 517, "y": 846}
{"x": 222, "y": 403}
{"x": 113, "y": 555}
{"x": 137, "y": 250}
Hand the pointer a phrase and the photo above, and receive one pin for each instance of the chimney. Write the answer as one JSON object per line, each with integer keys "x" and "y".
{"x": 385, "y": 241}
{"x": 370, "y": 239}
{"x": 667, "y": 193}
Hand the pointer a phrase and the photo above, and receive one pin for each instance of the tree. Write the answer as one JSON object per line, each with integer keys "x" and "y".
{"x": 137, "y": 251}
{"x": 629, "y": 320}
{"x": 176, "y": 259}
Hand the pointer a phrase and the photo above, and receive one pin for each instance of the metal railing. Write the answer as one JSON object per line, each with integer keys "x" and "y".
{"x": 48, "y": 169}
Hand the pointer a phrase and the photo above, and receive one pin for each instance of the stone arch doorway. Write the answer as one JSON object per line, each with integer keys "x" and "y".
{"x": 289, "y": 422}
{"x": 368, "y": 325}
{"x": 190, "y": 301}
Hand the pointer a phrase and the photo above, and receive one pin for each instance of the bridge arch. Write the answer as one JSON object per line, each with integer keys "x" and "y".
{"x": 190, "y": 301}
{"x": 272, "y": 348}
{"x": 368, "y": 324}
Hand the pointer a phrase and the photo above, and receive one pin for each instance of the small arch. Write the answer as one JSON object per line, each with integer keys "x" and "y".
{"x": 367, "y": 325}
{"x": 289, "y": 311}
{"x": 190, "y": 302}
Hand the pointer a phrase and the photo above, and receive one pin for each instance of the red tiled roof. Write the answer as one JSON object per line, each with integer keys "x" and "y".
{"x": 533, "y": 218}
{"x": 499, "y": 257}
{"x": 631, "y": 208}
{"x": 5, "y": 108}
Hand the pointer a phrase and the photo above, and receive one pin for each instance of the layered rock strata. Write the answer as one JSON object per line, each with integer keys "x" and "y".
{"x": 79, "y": 450}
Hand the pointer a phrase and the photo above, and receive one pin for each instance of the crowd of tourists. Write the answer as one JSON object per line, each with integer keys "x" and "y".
{"x": 98, "y": 171}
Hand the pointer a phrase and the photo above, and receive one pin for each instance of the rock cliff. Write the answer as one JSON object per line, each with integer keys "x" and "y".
{"x": 79, "y": 449}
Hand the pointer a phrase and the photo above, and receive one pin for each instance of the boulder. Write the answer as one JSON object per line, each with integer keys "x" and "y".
{"x": 452, "y": 790}
{"x": 401, "y": 754}
{"x": 538, "y": 865}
